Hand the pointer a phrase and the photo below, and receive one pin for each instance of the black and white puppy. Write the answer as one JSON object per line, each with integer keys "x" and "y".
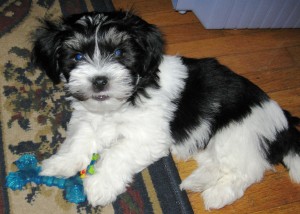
{"x": 133, "y": 104}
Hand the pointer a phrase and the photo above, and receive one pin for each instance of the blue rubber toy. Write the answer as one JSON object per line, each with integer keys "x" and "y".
{"x": 29, "y": 173}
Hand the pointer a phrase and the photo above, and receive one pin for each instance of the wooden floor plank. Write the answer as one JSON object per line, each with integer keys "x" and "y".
{"x": 295, "y": 53}
{"x": 143, "y": 7}
{"x": 285, "y": 78}
{"x": 287, "y": 208}
{"x": 189, "y": 32}
{"x": 258, "y": 61}
{"x": 170, "y": 18}
{"x": 236, "y": 44}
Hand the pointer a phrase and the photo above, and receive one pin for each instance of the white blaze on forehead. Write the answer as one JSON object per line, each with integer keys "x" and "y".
{"x": 97, "y": 51}
{"x": 112, "y": 37}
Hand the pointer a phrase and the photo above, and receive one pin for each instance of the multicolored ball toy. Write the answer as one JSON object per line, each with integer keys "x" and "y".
{"x": 90, "y": 170}
{"x": 29, "y": 173}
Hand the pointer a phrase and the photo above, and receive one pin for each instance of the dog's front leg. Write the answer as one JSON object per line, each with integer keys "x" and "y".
{"x": 117, "y": 167}
{"x": 75, "y": 152}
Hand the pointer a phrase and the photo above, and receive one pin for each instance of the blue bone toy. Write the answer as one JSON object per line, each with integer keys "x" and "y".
{"x": 29, "y": 172}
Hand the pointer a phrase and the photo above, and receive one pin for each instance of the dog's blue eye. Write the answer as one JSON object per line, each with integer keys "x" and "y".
{"x": 118, "y": 52}
{"x": 78, "y": 57}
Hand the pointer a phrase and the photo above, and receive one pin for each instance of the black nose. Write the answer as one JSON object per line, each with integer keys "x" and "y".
{"x": 99, "y": 83}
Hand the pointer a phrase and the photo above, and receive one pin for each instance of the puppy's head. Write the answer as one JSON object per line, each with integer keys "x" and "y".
{"x": 103, "y": 58}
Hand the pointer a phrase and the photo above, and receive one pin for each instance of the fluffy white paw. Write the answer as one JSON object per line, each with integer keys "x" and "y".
{"x": 191, "y": 183}
{"x": 201, "y": 179}
{"x": 62, "y": 166}
{"x": 220, "y": 195}
{"x": 101, "y": 190}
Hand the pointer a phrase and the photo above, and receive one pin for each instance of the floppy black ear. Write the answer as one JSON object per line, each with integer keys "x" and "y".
{"x": 154, "y": 45}
{"x": 150, "y": 39}
{"x": 47, "y": 41}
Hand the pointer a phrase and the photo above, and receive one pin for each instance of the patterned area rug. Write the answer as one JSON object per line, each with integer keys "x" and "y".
{"x": 34, "y": 115}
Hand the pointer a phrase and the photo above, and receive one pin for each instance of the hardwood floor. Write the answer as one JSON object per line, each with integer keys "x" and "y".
{"x": 269, "y": 58}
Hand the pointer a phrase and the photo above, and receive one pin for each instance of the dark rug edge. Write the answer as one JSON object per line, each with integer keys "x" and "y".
{"x": 175, "y": 180}
{"x": 4, "y": 201}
